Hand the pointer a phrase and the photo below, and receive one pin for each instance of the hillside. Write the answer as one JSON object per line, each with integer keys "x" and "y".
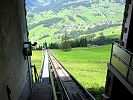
{"x": 48, "y": 19}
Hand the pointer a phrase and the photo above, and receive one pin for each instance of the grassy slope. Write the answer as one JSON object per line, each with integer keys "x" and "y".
{"x": 87, "y": 65}
{"x": 111, "y": 14}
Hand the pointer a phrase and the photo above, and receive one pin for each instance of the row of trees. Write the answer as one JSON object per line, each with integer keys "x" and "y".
{"x": 82, "y": 43}
{"x": 102, "y": 41}
{"x": 53, "y": 46}
{"x": 66, "y": 44}
{"x": 79, "y": 43}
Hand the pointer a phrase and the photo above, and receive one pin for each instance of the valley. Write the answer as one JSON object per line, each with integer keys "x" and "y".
{"x": 81, "y": 19}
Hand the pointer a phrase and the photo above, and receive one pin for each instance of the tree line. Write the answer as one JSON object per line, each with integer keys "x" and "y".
{"x": 67, "y": 45}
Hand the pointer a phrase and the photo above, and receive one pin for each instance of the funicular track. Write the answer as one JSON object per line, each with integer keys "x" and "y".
{"x": 68, "y": 87}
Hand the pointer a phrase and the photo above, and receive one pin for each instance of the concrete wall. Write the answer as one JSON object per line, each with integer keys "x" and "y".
{"x": 13, "y": 67}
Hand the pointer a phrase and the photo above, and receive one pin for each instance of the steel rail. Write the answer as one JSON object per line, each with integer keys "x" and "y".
{"x": 65, "y": 95}
{"x": 80, "y": 91}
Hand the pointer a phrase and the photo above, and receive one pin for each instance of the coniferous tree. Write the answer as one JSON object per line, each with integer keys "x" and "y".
{"x": 83, "y": 42}
{"x": 65, "y": 43}
{"x": 45, "y": 44}
{"x": 53, "y": 46}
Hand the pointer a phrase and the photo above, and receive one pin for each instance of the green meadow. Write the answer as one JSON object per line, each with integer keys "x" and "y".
{"x": 87, "y": 65}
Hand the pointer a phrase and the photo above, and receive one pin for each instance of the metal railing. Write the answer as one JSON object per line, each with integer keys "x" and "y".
{"x": 51, "y": 78}
{"x": 35, "y": 76}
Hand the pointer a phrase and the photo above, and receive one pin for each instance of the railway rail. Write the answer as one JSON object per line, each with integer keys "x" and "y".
{"x": 65, "y": 85}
